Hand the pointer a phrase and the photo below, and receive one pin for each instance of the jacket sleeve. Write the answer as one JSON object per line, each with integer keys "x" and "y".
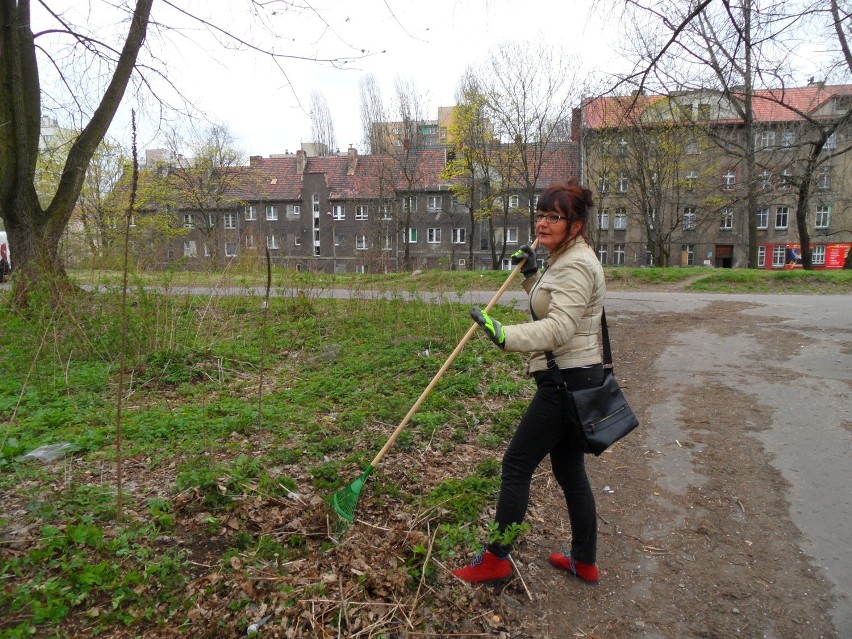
{"x": 570, "y": 287}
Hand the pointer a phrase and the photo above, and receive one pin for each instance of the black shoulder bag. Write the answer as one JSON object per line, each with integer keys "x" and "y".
{"x": 603, "y": 414}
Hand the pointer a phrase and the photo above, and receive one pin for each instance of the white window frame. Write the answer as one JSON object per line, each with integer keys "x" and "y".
{"x": 362, "y": 212}
{"x": 229, "y": 221}
{"x": 250, "y": 213}
{"x": 689, "y": 249}
{"x": 824, "y": 178}
{"x": 190, "y": 248}
{"x": 729, "y": 180}
{"x": 782, "y": 217}
{"x": 512, "y": 235}
{"x": 762, "y": 217}
{"x": 779, "y": 256}
{"x": 691, "y": 180}
{"x": 818, "y": 255}
{"x": 188, "y": 220}
{"x": 690, "y": 218}
{"x": 387, "y": 210}
{"x": 271, "y": 213}
{"x": 766, "y": 180}
{"x": 272, "y": 242}
{"x": 603, "y": 185}
{"x": 460, "y": 235}
{"x": 623, "y": 183}
{"x": 726, "y": 223}
{"x": 409, "y": 204}
{"x": 603, "y": 220}
{"x": 831, "y": 142}
{"x": 249, "y": 241}
{"x": 764, "y": 140}
{"x": 361, "y": 243}
{"x": 620, "y": 221}
{"x": 338, "y": 212}
{"x": 231, "y": 249}
{"x": 602, "y": 253}
{"x": 514, "y": 201}
{"x": 412, "y": 235}
{"x": 823, "y": 217}
{"x": 619, "y": 254}
{"x": 761, "y": 256}
{"x": 433, "y": 235}
{"x": 294, "y": 210}
{"x": 434, "y": 203}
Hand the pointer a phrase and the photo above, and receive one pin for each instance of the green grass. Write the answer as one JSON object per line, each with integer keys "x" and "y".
{"x": 760, "y": 281}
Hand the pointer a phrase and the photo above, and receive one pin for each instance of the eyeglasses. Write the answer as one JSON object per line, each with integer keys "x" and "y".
{"x": 551, "y": 218}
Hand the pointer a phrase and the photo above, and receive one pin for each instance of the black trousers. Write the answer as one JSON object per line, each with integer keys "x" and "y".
{"x": 544, "y": 429}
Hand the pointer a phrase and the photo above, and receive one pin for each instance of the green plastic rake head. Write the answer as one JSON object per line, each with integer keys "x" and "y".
{"x": 345, "y": 502}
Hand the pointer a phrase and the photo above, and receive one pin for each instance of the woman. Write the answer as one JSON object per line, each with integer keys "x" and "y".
{"x": 566, "y": 299}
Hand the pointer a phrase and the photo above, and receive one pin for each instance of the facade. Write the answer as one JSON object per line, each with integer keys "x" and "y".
{"x": 355, "y": 213}
{"x": 671, "y": 177}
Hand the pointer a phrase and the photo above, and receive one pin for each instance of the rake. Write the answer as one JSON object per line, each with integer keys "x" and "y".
{"x": 346, "y": 500}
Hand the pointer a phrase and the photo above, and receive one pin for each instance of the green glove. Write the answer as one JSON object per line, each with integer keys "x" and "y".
{"x": 492, "y": 327}
{"x": 530, "y": 267}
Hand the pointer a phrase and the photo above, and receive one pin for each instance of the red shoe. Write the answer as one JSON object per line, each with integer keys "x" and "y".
{"x": 485, "y": 567}
{"x": 581, "y": 570}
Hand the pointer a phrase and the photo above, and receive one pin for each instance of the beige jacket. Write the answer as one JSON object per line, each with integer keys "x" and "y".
{"x": 567, "y": 298}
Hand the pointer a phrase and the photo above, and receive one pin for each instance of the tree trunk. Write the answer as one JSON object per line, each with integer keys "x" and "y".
{"x": 847, "y": 263}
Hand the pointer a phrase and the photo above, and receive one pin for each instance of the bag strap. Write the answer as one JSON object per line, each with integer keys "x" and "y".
{"x": 607, "y": 355}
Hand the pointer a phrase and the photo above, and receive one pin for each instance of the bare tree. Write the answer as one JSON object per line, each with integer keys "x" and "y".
{"x": 374, "y": 116}
{"x": 322, "y": 124}
{"x": 73, "y": 50}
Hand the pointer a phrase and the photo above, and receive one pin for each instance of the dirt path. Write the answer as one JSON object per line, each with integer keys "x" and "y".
{"x": 696, "y": 533}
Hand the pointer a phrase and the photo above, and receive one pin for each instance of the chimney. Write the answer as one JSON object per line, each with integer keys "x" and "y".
{"x": 254, "y": 160}
{"x": 576, "y": 123}
{"x": 351, "y": 160}
{"x": 301, "y": 161}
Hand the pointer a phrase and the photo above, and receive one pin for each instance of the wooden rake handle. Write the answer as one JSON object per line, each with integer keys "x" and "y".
{"x": 450, "y": 359}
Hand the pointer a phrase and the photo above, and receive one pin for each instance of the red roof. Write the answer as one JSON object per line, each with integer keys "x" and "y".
{"x": 770, "y": 105}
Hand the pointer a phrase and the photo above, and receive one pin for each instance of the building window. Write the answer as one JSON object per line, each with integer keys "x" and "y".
{"x": 824, "y": 178}
{"x": 249, "y": 241}
{"x": 620, "y": 220}
{"x": 782, "y": 215}
{"x": 761, "y": 256}
{"x": 294, "y": 210}
{"x": 618, "y": 254}
{"x": 315, "y": 202}
{"x": 361, "y": 243}
{"x": 462, "y": 263}
{"x": 779, "y": 253}
{"x": 338, "y": 212}
{"x": 691, "y": 180}
{"x": 603, "y": 185}
{"x": 187, "y": 220}
{"x": 297, "y": 240}
{"x": 786, "y": 178}
{"x": 388, "y": 244}
{"x": 434, "y": 203}
{"x": 689, "y": 218}
{"x": 602, "y": 250}
{"x": 622, "y": 147}
{"x": 514, "y": 201}
{"x": 206, "y": 250}
{"x": 132, "y": 221}
{"x": 271, "y": 213}
{"x": 362, "y": 212}
{"x": 766, "y": 179}
{"x": 211, "y": 220}
{"x": 250, "y": 213}
{"x": 818, "y": 255}
{"x": 603, "y": 220}
{"x": 622, "y": 183}
{"x": 693, "y": 147}
{"x": 729, "y": 180}
{"x": 763, "y": 217}
{"x": 272, "y": 242}
{"x": 230, "y": 249}
{"x": 189, "y": 248}
{"x": 727, "y": 221}
{"x": 229, "y": 221}
{"x": 764, "y": 140}
{"x": 831, "y": 142}
{"x": 412, "y": 236}
{"x": 409, "y": 204}
{"x": 788, "y": 139}
{"x": 433, "y": 236}
{"x": 459, "y": 236}
{"x": 689, "y": 251}
{"x": 512, "y": 235}
{"x": 823, "y": 217}
{"x": 386, "y": 211}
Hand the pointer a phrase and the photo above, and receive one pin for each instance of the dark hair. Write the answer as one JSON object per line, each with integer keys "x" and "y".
{"x": 571, "y": 199}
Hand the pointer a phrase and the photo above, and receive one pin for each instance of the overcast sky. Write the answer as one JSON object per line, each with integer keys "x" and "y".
{"x": 430, "y": 43}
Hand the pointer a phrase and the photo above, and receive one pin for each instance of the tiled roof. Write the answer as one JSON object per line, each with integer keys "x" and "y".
{"x": 770, "y": 105}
